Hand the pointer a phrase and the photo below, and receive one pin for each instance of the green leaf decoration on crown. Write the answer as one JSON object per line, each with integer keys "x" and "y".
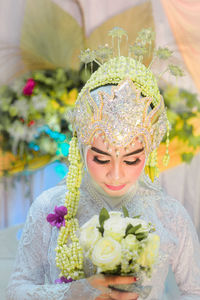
{"x": 175, "y": 70}
{"x": 103, "y": 53}
{"x": 163, "y": 53}
{"x": 117, "y": 32}
{"x": 141, "y": 48}
{"x": 145, "y": 37}
{"x": 117, "y": 68}
{"x": 87, "y": 56}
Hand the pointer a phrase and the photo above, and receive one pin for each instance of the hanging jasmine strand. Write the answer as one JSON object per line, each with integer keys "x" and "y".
{"x": 69, "y": 258}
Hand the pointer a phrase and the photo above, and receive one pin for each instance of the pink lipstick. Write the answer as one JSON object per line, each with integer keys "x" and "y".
{"x": 115, "y": 187}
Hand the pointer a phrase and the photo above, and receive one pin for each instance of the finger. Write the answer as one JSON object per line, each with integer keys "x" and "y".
{"x": 99, "y": 283}
{"x": 123, "y": 296}
{"x": 119, "y": 280}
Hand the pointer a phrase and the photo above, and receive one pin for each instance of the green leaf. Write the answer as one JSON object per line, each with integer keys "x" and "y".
{"x": 130, "y": 229}
{"x": 116, "y": 271}
{"x": 125, "y": 212}
{"x": 130, "y": 226}
{"x": 187, "y": 157}
{"x": 141, "y": 236}
{"x": 101, "y": 229}
{"x": 137, "y": 217}
{"x": 194, "y": 141}
{"x": 172, "y": 116}
{"x": 103, "y": 216}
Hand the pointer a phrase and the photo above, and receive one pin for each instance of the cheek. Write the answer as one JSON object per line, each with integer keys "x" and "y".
{"x": 95, "y": 170}
{"x": 135, "y": 171}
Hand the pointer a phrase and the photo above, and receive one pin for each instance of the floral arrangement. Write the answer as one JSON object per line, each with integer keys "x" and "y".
{"x": 120, "y": 245}
{"x": 33, "y": 113}
{"x": 183, "y": 112}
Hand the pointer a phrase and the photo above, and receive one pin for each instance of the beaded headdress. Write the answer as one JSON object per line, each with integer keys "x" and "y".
{"x": 129, "y": 105}
{"x": 134, "y": 107}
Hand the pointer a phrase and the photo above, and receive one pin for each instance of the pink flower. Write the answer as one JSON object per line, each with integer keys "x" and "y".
{"x": 57, "y": 219}
{"x": 28, "y": 89}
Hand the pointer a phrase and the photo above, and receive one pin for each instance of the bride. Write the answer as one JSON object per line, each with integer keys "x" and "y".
{"x": 119, "y": 121}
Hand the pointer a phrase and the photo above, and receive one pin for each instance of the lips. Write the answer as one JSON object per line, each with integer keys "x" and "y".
{"x": 115, "y": 187}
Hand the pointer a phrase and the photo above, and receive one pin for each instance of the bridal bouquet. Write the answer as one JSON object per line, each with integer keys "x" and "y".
{"x": 120, "y": 245}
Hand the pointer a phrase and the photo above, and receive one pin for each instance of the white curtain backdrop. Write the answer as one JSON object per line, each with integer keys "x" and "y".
{"x": 181, "y": 182}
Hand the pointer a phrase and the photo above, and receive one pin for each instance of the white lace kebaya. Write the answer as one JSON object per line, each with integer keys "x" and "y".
{"x": 35, "y": 270}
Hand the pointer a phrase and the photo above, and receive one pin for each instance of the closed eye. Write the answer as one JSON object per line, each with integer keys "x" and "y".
{"x": 134, "y": 162}
{"x": 103, "y": 162}
{"x": 99, "y": 161}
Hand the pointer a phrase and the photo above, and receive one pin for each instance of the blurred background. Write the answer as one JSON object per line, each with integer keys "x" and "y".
{"x": 41, "y": 75}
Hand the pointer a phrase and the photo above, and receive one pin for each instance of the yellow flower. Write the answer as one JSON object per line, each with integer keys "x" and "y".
{"x": 62, "y": 110}
{"x": 55, "y": 104}
{"x": 179, "y": 124}
{"x": 69, "y": 98}
{"x": 37, "y": 116}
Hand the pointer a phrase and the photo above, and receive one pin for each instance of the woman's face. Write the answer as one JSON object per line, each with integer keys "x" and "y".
{"x": 115, "y": 173}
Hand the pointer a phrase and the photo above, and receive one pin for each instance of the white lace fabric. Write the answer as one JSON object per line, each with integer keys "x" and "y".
{"x": 35, "y": 271}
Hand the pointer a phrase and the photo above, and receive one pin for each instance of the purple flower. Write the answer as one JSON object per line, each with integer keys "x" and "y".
{"x": 63, "y": 280}
{"x": 57, "y": 219}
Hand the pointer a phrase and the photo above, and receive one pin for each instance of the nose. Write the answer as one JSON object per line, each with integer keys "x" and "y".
{"x": 116, "y": 172}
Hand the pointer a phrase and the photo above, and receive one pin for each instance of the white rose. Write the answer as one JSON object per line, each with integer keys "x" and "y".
{"x": 115, "y": 226}
{"x": 150, "y": 252}
{"x": 135, "y": 222}
{"x": 115, "y": 214}
{"x": 130, "y": 242}
{"x": 94, "y": 221}
{"x": 106, "y": 254}
{"x": 89, "y": 234}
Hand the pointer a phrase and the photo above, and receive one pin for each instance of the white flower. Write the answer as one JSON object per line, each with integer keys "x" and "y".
{"x": 115, "y": 214}
{"x": 150, "y": 252}
{"x": 89, "y": 235}
{"x": 106, "y": 254}
{"x": 39, "y": 102}
{"x": 130, "y": 242}
{"x": 115, "y": 226}
{"x": 94, "y": 221}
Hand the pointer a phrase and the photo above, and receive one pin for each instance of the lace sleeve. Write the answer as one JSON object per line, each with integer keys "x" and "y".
{"x": 28, "y": 277}
{"x": 186, "y": 263}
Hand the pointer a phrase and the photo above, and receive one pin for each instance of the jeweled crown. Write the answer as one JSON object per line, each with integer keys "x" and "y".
{"x": 134, "y": 107}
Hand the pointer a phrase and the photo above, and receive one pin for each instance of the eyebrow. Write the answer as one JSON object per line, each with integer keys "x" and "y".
{"x": 128, "y": 154}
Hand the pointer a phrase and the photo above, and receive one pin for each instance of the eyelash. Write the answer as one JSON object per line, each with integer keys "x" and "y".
{"x": 103, "y": 162}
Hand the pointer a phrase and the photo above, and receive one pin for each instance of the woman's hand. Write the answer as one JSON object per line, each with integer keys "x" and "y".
{"x": 102, "y": 283}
